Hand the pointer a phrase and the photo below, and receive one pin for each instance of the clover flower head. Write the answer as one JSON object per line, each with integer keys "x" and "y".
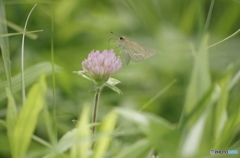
{"x": 100, "y": 66}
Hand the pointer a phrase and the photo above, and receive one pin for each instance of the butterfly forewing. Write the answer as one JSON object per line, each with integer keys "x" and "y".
{"x": 138, "y": 52}
{"x": 127, "y": 58}
{"x": 135, "y": 50}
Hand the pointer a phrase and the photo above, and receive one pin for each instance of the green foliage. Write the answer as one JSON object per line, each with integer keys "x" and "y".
{"x": 200, "y": 78}
{"x": 31, "y": 75}
{"x": 140, "y": 149}
{"x": 182, "y": 103}
{"x": 81, "y": 148}
{"x": 111, "y": 83}
{"x": 4, "y": 44}
{"x": 22, "y": 128}
{"x": 79, "y": 140}
{"x": 105, "y": 131}
{"x": 11, "y": 114}
{"x": 160, "y": 133}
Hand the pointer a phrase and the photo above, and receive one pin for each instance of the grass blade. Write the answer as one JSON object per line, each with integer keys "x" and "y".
{"x": 81, "y": 148}
{"x": 225, "y": 39}
{"x": 139, "y": 150}
{"x": 19, "y": 29}
{"x": 234, "y": 80}
{"x": 200, "y": 80}
{"x": 208, "y": 17}
{"x": 53, "y": 78}
{"x": 106, "y": 129}
{"x": 31, "y": 76}
{"x": 27, "y": 118}
{"x": 231, "y": 127}
{"x": 157, "y": 95}
{"x": 22, "y": 56}
{"x": 48, "y": 121}
{"x": 221, "y": 107}
{"x": 4, "y": 46}
{"x": 19, "y": 33}
{"x": 193, "y": 133}
{"x": 11, "y": 116}
{"x": 158, "y": 130}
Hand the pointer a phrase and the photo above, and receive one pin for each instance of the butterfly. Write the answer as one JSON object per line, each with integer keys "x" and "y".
{"x": 134, "y": 51}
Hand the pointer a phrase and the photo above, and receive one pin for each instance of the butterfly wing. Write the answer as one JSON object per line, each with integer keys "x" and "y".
{"x": 127, "y": 58}
{"x": 135, "y": 50}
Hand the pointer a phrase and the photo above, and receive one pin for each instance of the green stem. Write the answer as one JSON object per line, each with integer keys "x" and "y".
{"x": 209, "y": 16}
{"x": 95, "y": 108}
{"x": 22, "y": 55}
{"x": 54, "y": 139}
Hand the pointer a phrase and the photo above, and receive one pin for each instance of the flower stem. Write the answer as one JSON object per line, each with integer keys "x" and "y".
{"x": 95, "y": 108}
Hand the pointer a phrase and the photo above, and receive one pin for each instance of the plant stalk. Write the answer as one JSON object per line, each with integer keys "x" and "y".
{"x": 95, "y": 108}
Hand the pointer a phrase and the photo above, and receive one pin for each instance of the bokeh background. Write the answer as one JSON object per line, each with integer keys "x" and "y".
{"x": 172, "y": 28}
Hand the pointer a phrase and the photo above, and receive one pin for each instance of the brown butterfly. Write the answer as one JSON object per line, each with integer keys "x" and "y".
{"x": 134, "y": 51}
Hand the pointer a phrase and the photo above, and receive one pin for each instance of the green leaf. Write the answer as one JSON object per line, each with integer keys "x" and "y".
{"x": 31, "y": 75}
{"x": 234, "y": 80}
{"x": 114, "y": 88}
{"x": 78, "y": 139}
{"x": 231, "y": 127}
{"x": 65, "y": 143}
{"x": 221, "y": 107}
{"x": 4, "y": 47}
{"x": 138, "y": 150}
{"x": 48, "y": 121}
{"x": 105, "y": 132}
{"x": 88, "y": 78}
{"x": 206, "y": 102}
{"x": 200, "y": 79}
{"x": 113, "y": 81}
{"x": 81, "y": 148}
{"x": 85, "y": 76}
{"x": 198, "y": 128}
{"x": 27, "y": 118}
{"x": 11, "y": 115}
{"x": 158, "y": 130}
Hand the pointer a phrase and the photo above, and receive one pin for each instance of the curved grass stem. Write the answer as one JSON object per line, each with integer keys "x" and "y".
{"x": 22, "y": 56}
{"x": 225, "y": 39}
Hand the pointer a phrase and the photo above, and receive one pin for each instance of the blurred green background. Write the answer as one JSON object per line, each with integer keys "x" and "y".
{"x": 170, "y": 27}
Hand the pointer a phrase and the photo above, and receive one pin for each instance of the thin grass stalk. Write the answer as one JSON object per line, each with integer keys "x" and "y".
{"x": 209, "y": 17}
{"x": 22, "y": 56}
{"x": 53, "y": 79}
{"x": 4, "y": 45}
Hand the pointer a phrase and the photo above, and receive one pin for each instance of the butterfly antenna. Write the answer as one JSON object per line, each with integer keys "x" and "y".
{"x": 114, "y": 34}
